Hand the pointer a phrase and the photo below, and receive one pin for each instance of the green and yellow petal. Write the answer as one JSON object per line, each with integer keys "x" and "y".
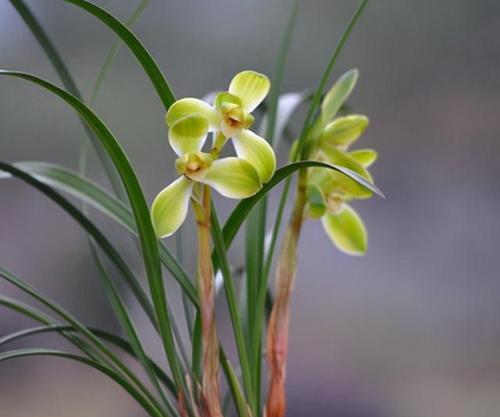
{"x": 366, "y": 157}
{"x": 316, "y": 204}
{"x": 189, "y": 107}
{"x": 338, "y": 94}
{"x": 188, "y": 134}
{"x": 251, "y": 87}
{"x": 346, "y": 230}
{"x": 233, "y": 178}
{"x": 344, "y": 130}
{"x": 170, "y": 207}
{"x": 257, "y": 151}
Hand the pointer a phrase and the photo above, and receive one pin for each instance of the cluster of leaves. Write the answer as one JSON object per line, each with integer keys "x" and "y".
{"x": 163, "y": 393}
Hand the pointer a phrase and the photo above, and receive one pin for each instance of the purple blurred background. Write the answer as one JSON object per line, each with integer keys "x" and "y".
{"x": 410, "y": 330}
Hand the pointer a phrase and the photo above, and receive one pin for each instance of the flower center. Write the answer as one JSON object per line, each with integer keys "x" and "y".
{"x": 194, "y": 166}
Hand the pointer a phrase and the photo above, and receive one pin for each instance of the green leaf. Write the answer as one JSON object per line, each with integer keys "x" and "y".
{"x": 70, "y": 85}
{"x": 90, "y": 228}
{"x": 22, "y": 353}
{"x": 221, "y": 252}
{"x": 134, "y": 44}
{"x": 256, "y": 223}
{"x": 315, "y": 102}
{"x": 346, "y": 230}
{"x": 84, "y": 189}
{"x": 107, "y": 355}
{"x": 240, "y": 212}
{"x": 334, "y": 180}
{"x": 123, "y": 316}
{"x": 338, "y": 94}
{"x": 102, "y": 334}
{"x": 140, "y": 210}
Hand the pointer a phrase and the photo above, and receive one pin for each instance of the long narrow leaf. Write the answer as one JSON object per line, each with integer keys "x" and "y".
{"x": 104, "y": 335}
{"x": 70, "y": 319}
{"x": 69, "y": 83}
{"x": 147, "y": 238}
{"x": 91, "y": 193}
{"x": 92, "y": 230}
{"x": 22, "y": 353}
{"x": 136, "y": 47}
{"x": 221, "y": 251}
{"x": 238, "y": 215}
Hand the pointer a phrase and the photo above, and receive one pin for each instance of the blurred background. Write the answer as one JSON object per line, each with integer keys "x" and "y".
{"x": 412, "y": 329}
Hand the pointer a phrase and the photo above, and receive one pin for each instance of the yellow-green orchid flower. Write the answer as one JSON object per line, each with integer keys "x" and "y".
{"x": 190, "y": 120}
{"x": 230, "y": 117}
{"x": 328, "y": 192}
{"x": 232, "y": 177}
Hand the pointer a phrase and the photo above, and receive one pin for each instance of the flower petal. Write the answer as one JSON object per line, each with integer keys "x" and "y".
{"x": 251, "y": 87}
{"x": 366, "y": 157}
{"x": 170, "y": 207}
{"x": 344, "y": 130}
{"x": 316, "y": 204}
{"x": 338, "y": 94}
{"x": 257, "y": 151}
{"x": 188, "y": 107}
{"x": 188, "y": 134}
{"x": 233, "y": 178}
{"x": 346, "y": 230}
{"x": 340, "y": 181}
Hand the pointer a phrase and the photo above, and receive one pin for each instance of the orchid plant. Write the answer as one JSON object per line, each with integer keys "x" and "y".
{"x": 330, "y": 177}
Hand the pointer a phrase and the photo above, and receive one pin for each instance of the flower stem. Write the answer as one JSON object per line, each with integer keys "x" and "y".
{"x": 206, "y": 294}
{"x": 277, "y": 334}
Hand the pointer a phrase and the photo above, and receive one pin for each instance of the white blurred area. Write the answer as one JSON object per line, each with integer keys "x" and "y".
{"x": 411, "y": 329}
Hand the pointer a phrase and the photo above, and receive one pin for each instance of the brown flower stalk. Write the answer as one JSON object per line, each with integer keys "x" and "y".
{"x": 206, "y": 294}
{"x": 277, "y": 334}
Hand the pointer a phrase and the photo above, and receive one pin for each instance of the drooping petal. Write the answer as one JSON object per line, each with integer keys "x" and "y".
{"x": 366, "y": 157}
{"x": 257, "y": 151}
{"x": 188, "y": 107}
{"x": 344, "y": 130}
{"x": 188, "y": 134}
{"x": 170, "y": 207}
{"x": 233, "y": 178}
{"x": 316, "y": 204}
{"x": 251, "y": 87}
{"x": 346, "y": 230}
{"x": 338, "y": 94}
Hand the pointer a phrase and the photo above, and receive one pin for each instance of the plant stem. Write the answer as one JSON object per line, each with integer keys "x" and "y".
{"x": 206, "y": 294}
{"x": 277, "y": 336}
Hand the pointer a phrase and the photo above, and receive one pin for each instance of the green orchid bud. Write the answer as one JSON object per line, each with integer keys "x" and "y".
{"x": 343, "y": 131}
{"x": 346, "y": 230}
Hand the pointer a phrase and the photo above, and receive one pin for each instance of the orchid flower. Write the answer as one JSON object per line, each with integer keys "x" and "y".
{"x": 190, "y": 120}
{"x": 328, "y": 192}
